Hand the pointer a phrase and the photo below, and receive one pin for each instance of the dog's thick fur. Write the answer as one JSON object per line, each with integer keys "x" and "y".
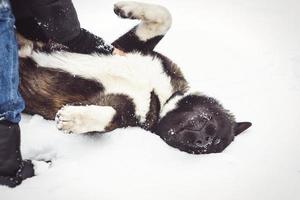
{"x": 87, "y": 93}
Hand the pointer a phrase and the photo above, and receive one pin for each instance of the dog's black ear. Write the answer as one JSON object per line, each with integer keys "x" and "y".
{"x": 241, "y": 126}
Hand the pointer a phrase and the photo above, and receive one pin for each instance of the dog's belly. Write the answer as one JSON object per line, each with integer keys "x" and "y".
{"x": 45, "y": 91}
{"x": 133, "y": 75}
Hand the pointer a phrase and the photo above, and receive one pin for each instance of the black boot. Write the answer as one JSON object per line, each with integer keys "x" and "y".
{"x": 13, "y": 170}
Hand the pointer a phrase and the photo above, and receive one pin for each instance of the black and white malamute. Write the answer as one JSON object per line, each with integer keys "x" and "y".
{"x": 93, "y": 93}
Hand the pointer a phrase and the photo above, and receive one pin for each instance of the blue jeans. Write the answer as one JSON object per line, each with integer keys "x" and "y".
{"x": 11, "y": 103}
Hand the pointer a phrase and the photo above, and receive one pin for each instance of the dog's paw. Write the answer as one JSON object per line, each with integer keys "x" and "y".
{"x": 142, "y": 11}
{"x": 128, "y": 9}
{"x": 156, "y": 19}
{"x": 83, "y": 119}
{"x": 70, "y": 120}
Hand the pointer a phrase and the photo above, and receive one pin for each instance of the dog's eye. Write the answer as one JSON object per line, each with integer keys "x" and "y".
{"x": 210, "y": 130}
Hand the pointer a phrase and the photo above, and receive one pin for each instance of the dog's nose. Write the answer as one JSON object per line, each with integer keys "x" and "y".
{"x": 195, "y": 138}
{"x": 203, "y": 141}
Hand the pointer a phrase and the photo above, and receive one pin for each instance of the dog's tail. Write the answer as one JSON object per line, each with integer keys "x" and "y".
{"x": 156, "y": 20}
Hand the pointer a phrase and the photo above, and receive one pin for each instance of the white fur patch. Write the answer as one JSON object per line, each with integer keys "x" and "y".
{"x": 133, "y": 75}
{"x": 171, "y": 105}
{"x": 156, "y": 19}
{"x": 82, "y": 119}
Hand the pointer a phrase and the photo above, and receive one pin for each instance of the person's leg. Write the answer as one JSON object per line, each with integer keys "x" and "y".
{"x": 155, "y": 22}
{"x": 12, "y": 169}
{"x": 11, "y": 103}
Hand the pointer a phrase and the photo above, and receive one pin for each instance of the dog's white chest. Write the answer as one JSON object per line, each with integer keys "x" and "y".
{"x": 133, "y": 75}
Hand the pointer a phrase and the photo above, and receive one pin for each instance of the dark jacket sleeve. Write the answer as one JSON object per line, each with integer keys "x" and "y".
{"x": 87, "y": 43}
{"x": 57, "y": 21}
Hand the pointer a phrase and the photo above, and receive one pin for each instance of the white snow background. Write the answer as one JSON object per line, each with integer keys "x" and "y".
{"x": 244, "y": 53}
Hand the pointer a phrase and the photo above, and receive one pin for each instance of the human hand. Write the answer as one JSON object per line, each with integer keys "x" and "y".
{"x": 118, "y": 52}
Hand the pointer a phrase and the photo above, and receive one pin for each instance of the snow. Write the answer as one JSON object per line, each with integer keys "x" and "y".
{"x": 244, "y": 53}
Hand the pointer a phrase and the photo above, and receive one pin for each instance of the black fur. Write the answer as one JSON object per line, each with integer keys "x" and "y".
{"x": 153, "y": 114}
{"x": 198, "y": 125}
{"x": 130, "y": 42}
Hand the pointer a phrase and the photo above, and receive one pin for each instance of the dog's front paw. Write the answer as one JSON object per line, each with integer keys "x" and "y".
{"x": 128, "y": 9}
{"x": 69, "y": 120}
{"x": 83, "y": 119}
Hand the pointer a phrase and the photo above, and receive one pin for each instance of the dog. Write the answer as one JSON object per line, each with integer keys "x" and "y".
{"x": 94, "y": 93}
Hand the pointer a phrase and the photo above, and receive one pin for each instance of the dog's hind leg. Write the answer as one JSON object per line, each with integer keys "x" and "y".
{"x": 83, "y": 119}
{"x": 155, "y": 22}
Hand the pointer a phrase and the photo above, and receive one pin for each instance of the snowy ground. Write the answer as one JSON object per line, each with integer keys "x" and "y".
{"x": 246, "y": 54}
